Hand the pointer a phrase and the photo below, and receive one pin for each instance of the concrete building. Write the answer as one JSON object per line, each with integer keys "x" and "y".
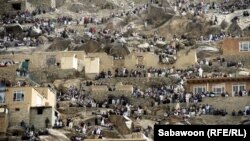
{"x": 231, "y": 85}
{"x": 69, "y": 62}
{"x": 236, "y": 46}
{"x": 22, "y": 101}
{"x": 92, "y": 65}
{"x": 148, "y": 59}
{"x": 38, "y": 115}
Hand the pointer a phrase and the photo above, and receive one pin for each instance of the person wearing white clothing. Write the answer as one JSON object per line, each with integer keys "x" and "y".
{"x": 98, "y": 131}
{"x": 102, "y": 122}
{"x": 200, "y": 72}
{"x": 84, "y": 129}
{"x": 71, "y": 125}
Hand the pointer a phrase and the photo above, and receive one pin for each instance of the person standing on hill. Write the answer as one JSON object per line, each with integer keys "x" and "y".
{"x": 47, "y": 123}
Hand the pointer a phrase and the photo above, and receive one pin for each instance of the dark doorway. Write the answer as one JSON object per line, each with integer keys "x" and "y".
{"x": 40, "y": 111}
{"x": 16, "y": 6}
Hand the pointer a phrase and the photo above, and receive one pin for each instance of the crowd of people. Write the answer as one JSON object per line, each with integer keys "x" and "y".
{"x": 246, "y": 112}
{"x": 71, "y": 93}
{"x": 194, "y": 110}
{"x": 204, "y": 6}
{"x": 194, "y": 71}
{"x": 40, "y": 26}
{"x": 30, "y": 133}
{"x": 58, "y": 124}
{"x": 48, "y": 26}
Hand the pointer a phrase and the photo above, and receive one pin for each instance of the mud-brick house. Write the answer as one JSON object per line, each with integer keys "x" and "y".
{"x": 236, "y": 46}
{"x": 231, "y": 85}
{"x": 22, "y": 5}
{"x": 30, "y": 104}
{"x": 12, "y": 5}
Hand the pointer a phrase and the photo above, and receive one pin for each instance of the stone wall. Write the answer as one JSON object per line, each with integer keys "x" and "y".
{"x": 19, "y": 113}
{"x": 38, "y": 120}
{"x": 99, "y": 95}
{"x": 124, "y": 88}
{"x": 102, "y": 88}
{"x": 130, "y": 61}
{"x": 6, "y": 6}
{"x": 43, "y": 59}
{"x": 148, "y": 59}
{"x": 106, "y": 61}
{"x": 43, "y": 3}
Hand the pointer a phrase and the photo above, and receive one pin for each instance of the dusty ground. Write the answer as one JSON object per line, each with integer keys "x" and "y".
{"x": 219, "y": 120}
{"x": 185, "y": 60}
{"x": 9, "y": 72}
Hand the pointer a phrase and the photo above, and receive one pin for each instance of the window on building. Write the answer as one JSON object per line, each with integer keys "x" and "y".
{"x": 244, "y": 46}
{"x": 39, "y": 111}
{"x": 218, "y": 89}
{"x": 16, "y": 6}
{"x": 140, "y": 60}
{"x": 2, "y": 97}
{"x": 237, "y": 88}
{"x": 18, "y": 96}
{"x": 199, "y": 89}
{"x": 17, "y": 109}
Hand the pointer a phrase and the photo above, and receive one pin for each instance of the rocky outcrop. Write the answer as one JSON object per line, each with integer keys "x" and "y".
{"x": 159, "y": 15}
{"x": 235, "y": 29}
{"x": 60, "y": 3}
{"x": 119, "y": 122}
